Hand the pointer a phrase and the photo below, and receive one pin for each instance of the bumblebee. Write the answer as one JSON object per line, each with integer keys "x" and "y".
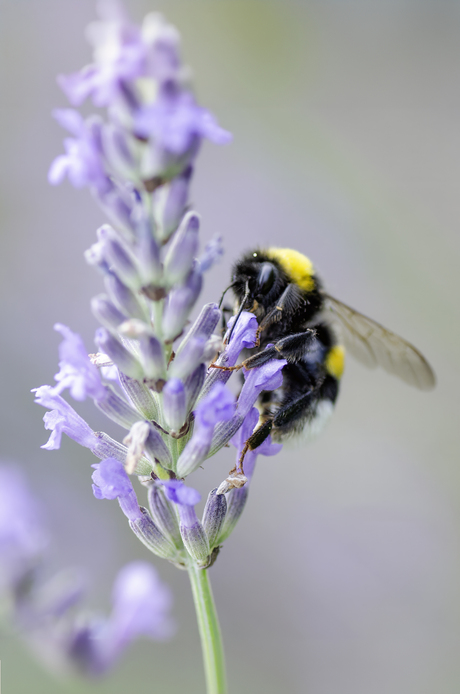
{"x": 300, "y": 322}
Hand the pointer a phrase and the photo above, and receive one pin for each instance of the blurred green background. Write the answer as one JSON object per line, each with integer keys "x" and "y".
{"x": 344, "y": 572}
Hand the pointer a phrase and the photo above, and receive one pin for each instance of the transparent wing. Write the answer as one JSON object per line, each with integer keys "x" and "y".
{"x": 373, "y": 345}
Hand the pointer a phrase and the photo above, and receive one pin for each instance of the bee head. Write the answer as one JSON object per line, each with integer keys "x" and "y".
{"x": 257, "y": 282}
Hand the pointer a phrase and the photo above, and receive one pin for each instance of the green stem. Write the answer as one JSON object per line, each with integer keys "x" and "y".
{"x": 208, "y": 625}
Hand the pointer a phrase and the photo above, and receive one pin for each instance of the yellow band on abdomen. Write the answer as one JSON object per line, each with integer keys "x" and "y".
{"x": 335, "y": 361}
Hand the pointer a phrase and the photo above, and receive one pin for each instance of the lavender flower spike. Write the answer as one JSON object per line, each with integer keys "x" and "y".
{"x": 138, "y": 158}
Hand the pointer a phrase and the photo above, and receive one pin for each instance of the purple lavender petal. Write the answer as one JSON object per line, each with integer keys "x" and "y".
{"x": 62, "y": 420}
{"x": 266, "y": 377}
{"x": 174, "y": 125}
{"x": 82, "y": 162}
{"x": 177, "y": 492}
{"x": 217, "y": 406}
{"x": 267, "y": 448}
{"x": 243, "y": 337}
{"x": 77, "y": 373}
{"x": 213, "y": 252}
{"x": 112, "y": 482}
{"x": 176, "y": 121}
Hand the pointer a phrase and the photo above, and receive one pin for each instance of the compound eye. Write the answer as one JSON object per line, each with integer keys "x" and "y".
{"x": 266, "y": 278}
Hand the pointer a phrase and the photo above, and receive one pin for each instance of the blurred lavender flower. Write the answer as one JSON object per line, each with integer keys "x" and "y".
{"x": 141, "y": 605}
{"x": 23, "y": 538}
{"x": 43, "y": 611}
{"x": 82, "y": 161}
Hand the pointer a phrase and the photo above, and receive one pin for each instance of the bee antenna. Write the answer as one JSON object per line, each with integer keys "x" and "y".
{"x": 241, "y": 309}
{"x": 224, "y": 293}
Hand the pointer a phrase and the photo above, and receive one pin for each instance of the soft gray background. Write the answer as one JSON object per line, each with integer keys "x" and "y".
{"x": 344, "y": 573}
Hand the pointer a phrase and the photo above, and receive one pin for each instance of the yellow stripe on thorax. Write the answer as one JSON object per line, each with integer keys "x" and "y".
{"x": 335, "y": 361}
{"x": 297, "y": 266}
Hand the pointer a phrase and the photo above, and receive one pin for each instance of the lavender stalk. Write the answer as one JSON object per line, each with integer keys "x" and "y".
{"x": 151, "y": 374}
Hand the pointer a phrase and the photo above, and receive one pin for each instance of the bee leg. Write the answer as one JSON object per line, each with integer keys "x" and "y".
{"x": 254, "y": 441}
{"x": 251, "y": 362}
{"x": 292, "y": 348}
{"x": 290, "y": 300}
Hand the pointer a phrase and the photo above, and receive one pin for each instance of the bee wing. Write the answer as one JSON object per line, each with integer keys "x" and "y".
{"x": 373, "y": 345}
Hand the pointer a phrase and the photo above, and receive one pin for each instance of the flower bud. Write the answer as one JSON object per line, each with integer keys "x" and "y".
{"x": 117, "y": 409}
{"x": 180, "y": 303}
{"x": 191, "y": 530}
{"x": 193, "y": 385}
{"x": 193, "y": 535}
{"x": 157, "y": 449}
{"x": 117, "y": 152}
{"x": 189, "y": 358}
{"x": 174, "y": 402}
{"x": 152, "y": 357}
{"x": 182, "y": 250}
{"x": 163, "y": 514}
{"x": 148, "y": 254}
{"x": 124, "y": 298}
{"x": 204, "y": 325}
{"x": 236, "y": 501}
{"x": 106, "y": 312}
{"x": 141, "y": 397}
{"x": 135, "y": 441}
{"x": 148, "y": 533}
{"x": 122, "y": 263}
{"x": 214, "y": 516}
{"x": 126, "y": 362}
{"x": 171, "y": 201}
